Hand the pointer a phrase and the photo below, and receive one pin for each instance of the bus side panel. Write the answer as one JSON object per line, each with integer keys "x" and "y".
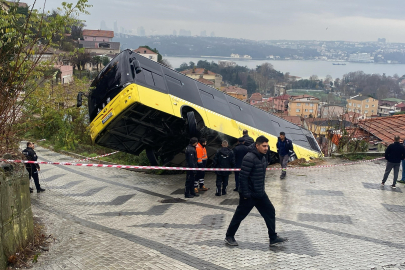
{"x": 155, "y": 99}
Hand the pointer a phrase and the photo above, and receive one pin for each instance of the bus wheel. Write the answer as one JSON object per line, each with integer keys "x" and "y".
{"x": 150, "y": 154}
{"x": 192, "y": 124}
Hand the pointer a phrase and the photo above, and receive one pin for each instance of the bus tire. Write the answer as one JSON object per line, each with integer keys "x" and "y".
{"x": 192, "y": 125}
{"x": 150, "y": 154}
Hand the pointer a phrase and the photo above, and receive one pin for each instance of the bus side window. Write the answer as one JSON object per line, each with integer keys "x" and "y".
{"x": 159, "y": 81}
{"x": 148, "y": 77}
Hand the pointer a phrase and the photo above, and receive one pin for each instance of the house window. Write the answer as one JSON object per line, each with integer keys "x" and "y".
{"x": 94, "y": 39}
{"x": 367, "y": 106}
{"x": 349, "y": 110}
{"x": 297, "y": 110}
{"x": 150, "y": 57}
{"x": 311, "y": 110}
{"x": 350, "y": 104}
{"x": 306, "y": 110}
{"x": 365, "y": 111}
{"x": 307, "y": 104}
{"x": 372, "y": 111}
{"x": 373, "y": 105}
{"x": 358, "y": 105}
{"x": 305, "y": 116}
{"x": 323, "y": 129}
{"x": 311, "y": 105}
{"x": 366, "y": 100}
{"x": 298, "y": 104}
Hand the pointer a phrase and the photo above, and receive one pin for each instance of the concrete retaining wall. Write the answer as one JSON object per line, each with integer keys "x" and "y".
{"x": 16, "y": 221}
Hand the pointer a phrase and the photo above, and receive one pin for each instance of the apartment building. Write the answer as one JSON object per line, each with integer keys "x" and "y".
{"x": 303, "y": 105}
{"x": 197, "y": 73}
{"x": 364, "y": 105}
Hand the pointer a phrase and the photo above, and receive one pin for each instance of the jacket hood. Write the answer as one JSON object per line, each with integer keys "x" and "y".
{"x": 252, "y": 148}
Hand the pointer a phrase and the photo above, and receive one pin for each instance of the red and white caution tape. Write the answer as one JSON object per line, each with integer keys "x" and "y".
{"x": 98, "y": 156}
{"x": 174, "y": 168}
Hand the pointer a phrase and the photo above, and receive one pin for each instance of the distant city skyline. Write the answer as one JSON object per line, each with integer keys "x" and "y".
{"x": 346, "y": 20}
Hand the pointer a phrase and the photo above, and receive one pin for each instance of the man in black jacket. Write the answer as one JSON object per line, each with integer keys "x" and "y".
{"x": 224, "y": 158}
{"x": 248, "y": 140}
{"x": 239, "y": 152}
{"x": 32, "y": 169}
{"x": 191, "y": 160}
{"x": 393, "y": 154}
{"x": 284, "y": 147}
{"x": 252, "y": 193}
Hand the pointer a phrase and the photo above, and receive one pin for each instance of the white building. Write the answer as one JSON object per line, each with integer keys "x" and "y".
{"x": 360, "y": 57}
{"x": 147, "y": 53}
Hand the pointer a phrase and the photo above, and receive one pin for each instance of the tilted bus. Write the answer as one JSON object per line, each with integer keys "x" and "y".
{"x": 136, "y": 104}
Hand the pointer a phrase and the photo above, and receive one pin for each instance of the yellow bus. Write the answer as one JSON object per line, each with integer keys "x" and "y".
{"x": 136, "y": 104}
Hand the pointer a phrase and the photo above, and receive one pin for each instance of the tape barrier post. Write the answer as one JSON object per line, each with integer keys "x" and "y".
{"x": 173, "y": 168}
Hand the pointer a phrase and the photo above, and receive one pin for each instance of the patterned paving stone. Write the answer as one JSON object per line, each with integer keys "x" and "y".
{"x": 325, "y": 218}
{"x": 114, "y": 219}
{"x": 383, "y": 188}
{"x": 52, "y": 177}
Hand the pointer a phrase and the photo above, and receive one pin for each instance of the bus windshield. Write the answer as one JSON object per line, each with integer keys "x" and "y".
{"x": 108, "y": 83}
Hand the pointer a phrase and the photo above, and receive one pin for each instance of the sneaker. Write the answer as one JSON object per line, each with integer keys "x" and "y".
{"x": 230, "y": 240}
{"x": 382, "y": 184}
{"x": 189, "y": 196}
{"x": 203, "y": 188}
{"x": 277, "y": 241}
{"x": 217, "y": 194}
{"x": 393, "y": 186}
{"x": 196, "y": 190}
{"x": 40, "y": 190}
{"x": 401, "y": 181}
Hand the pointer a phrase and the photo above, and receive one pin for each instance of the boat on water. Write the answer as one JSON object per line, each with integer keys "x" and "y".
{"x": 339, "y": 64}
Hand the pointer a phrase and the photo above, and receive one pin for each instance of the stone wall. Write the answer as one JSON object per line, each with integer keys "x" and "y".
{"x": 16, "y": 221}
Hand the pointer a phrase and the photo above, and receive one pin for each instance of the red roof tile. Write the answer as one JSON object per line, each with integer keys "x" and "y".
{"x": 293, "y": 119}
{"x": 98, "y": 33}
{"x": 234, "y": 89}
{"x": 385, "y": 128}
{"x": 283, "y": 97}
{"x": 256, "y": 96}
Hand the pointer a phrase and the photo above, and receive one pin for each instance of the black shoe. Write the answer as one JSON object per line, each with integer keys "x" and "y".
{"x": 31, "y": 190}
{"x": 223, "y": 192}
{"x": 282, "y": 176}
{"x": 277, "y": 241}
{"x": 217, "y": 194}
{"x": 230, "y": 240}
{"x": 40, "y": 190}
{"x": 188, "y": 196}
{"x": 195, "y": 194}
{"x": 235, "y": 189}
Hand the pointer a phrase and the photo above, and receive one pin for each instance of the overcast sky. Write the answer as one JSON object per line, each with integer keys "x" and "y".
{"x": 351, "y": 20}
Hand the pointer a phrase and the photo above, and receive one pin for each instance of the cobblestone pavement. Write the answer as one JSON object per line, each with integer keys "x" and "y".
{"x": 102, "y": 218}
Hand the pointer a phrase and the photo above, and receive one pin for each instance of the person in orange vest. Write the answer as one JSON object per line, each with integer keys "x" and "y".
{"x": 202, "y": 158}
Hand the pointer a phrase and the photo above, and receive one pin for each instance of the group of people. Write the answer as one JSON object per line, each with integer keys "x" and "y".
{"x": 196, "y": 157}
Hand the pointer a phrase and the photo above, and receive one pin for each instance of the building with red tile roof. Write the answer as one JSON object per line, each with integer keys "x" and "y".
{"x": 385, "y": 128}
{"x": 281, "y": 103}
{"x": 235, "y": 91}
{"x": 207, "y": 82}
{"x": 97, "y": 35}
{"x": 255, "y": 98}
{"x": 147, "y": 53}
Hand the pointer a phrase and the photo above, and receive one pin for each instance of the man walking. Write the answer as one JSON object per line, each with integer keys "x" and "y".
{"x": 284, "y": 146}
{"x": 202, "y": 163}
{"x": 239, "y": 152}
{"x": 224, "y": 158}
{"x": 252, "y": 193}
{"x": 32, "y": 169}
{"x": 248, "y": 140}
{"x": 191, "y": 160}
{"x": 394, "y": 154}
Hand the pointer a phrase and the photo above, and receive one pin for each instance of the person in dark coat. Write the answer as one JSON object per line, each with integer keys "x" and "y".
{"x": 239, "y": 152}
{"x": 224, "y": 158}
{"x": 284, "y": 147}
{"x": 32, "y": 169}
{"x": 248, "y": 140}
{"x": 191, "y": 161}
{"x": 394, "y": 154}
{"x": 252, "y": 193}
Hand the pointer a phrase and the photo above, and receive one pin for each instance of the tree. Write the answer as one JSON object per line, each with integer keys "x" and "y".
{"x": 250, "y": 85}
{"x": 96, "y": 60}
{"x": 166, "y": 63}
{"x": 105, "y": 60}
{"x": 24, "y": 39}
{"x": 313, "y": 78}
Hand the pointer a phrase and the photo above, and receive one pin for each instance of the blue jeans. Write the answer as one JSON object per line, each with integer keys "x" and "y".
{"x": 403, "y": 170}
